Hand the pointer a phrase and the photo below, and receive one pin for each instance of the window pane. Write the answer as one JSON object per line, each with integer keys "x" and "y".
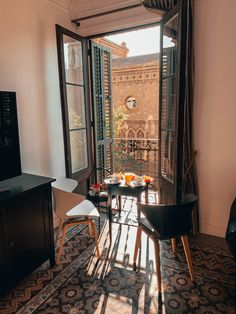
{"x": 76, "y": 110}
{"x": 79, "y": 155}
{"x": 167, "y": 155}
{"x": 169, "y": 57}
{"x": 169, "y": 98}
{"x": 73, "y": 60}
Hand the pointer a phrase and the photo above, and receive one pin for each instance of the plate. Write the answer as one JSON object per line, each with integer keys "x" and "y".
{"x": 134, "y": 184}
{"x": 109, "y": 181}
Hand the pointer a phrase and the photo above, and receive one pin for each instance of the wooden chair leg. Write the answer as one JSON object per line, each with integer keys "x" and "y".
{"x": 92, "y": 223}
{"x": 58, "y": 231}
{"x": 137, "y": 245}
{"x": 188, "y": 255}
{"x": 61, "y": 245}
{"x": 173, "y": 241}
{"x": 158, "y": 262}
{"x": 90, "y": 230}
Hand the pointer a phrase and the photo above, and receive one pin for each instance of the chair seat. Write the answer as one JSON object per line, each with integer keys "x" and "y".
{"x": 85, "y": 208}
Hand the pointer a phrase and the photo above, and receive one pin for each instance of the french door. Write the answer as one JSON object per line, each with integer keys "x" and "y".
{"x": 172, "y": 96}
{"x": 75, "y": 104}
{"x": 88, "y": 130}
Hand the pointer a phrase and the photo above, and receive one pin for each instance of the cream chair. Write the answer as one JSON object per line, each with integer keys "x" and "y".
{"x": 72, "y": 209}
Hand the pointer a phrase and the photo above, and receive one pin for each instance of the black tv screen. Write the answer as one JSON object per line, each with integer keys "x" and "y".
{"x": 10, "y": 164}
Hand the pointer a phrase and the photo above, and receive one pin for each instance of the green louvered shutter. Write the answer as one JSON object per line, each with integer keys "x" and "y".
{"x": 102, "y": 107}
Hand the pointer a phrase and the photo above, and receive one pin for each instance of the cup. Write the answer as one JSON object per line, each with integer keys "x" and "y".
{"x": 139, "y": 180}
{"x": 114, "y": 178}
{"x": 129, "y": 176}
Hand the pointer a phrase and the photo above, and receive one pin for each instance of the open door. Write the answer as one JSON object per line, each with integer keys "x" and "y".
{"x": 88, "y": 136}
{"x": 75, "y": 104}
{"x": 172, "y": 96}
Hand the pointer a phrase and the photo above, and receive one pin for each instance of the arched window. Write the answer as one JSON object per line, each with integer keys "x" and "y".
{"x": 140, "y": 134}
{"x": 131, "y": 134}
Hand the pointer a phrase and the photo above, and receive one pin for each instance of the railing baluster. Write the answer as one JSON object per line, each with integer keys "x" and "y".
{"x": 136, "y": 155}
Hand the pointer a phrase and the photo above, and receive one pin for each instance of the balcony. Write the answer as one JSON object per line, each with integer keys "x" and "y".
{"x": 137, "y": 155}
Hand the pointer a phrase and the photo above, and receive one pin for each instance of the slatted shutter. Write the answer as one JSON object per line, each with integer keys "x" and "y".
{"x": 102, "y": 108}
{"x": 168, "y": 115}
{"x": 172, "y": 97}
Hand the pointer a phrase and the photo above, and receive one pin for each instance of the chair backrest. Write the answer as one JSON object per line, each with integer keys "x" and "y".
{"x": 64, "y": 201}
{"x": 230, "y": 234}
{"x": 63, "y": 198}
{"x": 170, "y": 221}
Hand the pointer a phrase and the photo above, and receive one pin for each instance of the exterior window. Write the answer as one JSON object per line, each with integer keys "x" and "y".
{"x": 131, "y": 103}
{"x": 140, "y": 134}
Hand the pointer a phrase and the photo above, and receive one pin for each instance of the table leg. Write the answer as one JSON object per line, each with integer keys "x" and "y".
{"x": 110, "y": 213}
{"x": 99, "y": 218}
{"x": 138, "y": 201}
{"x": 119, "y": 205}
{"x": 146, "y": 195}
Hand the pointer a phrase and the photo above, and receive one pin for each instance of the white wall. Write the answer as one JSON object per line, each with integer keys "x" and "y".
{"x": 215, "y": 111}
{"x": 28, "y": 65}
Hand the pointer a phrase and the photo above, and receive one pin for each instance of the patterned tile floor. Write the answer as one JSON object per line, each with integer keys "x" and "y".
{"x": 84, "y": 284}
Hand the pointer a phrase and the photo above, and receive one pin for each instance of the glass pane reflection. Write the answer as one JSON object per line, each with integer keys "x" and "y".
{"x": 170, "y": 50}
{"x": 167, "y": 154}
{"x": 76, "y": 110}
{"x": 79, "y": 155}
{"x": 73, "y": 60}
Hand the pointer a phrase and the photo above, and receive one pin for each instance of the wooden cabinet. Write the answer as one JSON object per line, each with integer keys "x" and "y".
{"x": 26, "y": 227}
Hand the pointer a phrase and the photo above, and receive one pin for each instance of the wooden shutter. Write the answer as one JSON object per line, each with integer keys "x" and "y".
{"x": 172, "y": 97}
{"x": 102, "y": 107}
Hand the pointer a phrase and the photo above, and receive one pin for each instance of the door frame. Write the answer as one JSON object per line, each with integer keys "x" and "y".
{"x": 181, "y": 9}
{"x": 83, "y": 174}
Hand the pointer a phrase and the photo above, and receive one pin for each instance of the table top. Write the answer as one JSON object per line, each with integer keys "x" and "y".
{"x": 129, "y": 190}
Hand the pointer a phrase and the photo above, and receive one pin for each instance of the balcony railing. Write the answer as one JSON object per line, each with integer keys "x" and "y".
{"x": 136, "y": 155}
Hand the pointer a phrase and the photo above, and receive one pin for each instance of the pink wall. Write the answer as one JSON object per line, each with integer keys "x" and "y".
{"x": 215, "y": 111}
{"x": 28, "y": 63}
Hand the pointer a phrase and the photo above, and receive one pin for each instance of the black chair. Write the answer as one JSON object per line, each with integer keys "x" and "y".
{"x": 164, "y": 222}
{"x": 230, "y": 234}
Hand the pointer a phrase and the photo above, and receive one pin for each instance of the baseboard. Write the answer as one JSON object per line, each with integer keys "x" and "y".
{"x": 214, "y": 230}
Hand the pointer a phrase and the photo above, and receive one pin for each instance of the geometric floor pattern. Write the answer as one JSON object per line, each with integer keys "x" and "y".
{"x": 84, "y": 284}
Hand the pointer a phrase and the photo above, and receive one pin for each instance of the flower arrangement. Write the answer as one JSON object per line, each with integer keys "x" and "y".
{"x": 96, "y": 188}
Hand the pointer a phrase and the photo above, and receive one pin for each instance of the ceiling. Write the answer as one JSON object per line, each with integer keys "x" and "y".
{"x": 115, "y": 21}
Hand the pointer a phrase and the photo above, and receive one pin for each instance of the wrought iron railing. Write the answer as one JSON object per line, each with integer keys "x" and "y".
{"x": 136, "y": 155}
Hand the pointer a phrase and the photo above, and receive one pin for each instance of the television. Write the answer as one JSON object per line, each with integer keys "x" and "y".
{"x": 10, "y": 163}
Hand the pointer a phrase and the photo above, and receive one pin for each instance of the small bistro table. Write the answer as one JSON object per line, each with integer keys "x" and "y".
{"x": 122, "y": 189}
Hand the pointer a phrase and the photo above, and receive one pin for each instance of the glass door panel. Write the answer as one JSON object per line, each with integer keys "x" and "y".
{"x": 73, "y": 70}
{"x": 73, "y": 60}
{"x": 76, "y": 107}
{"x": 79, "y": 156}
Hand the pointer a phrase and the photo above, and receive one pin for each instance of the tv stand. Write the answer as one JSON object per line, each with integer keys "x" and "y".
{"x": 26, "y": 227}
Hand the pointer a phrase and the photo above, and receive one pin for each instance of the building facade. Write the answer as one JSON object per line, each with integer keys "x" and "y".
{"x": 135, "y": 89}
